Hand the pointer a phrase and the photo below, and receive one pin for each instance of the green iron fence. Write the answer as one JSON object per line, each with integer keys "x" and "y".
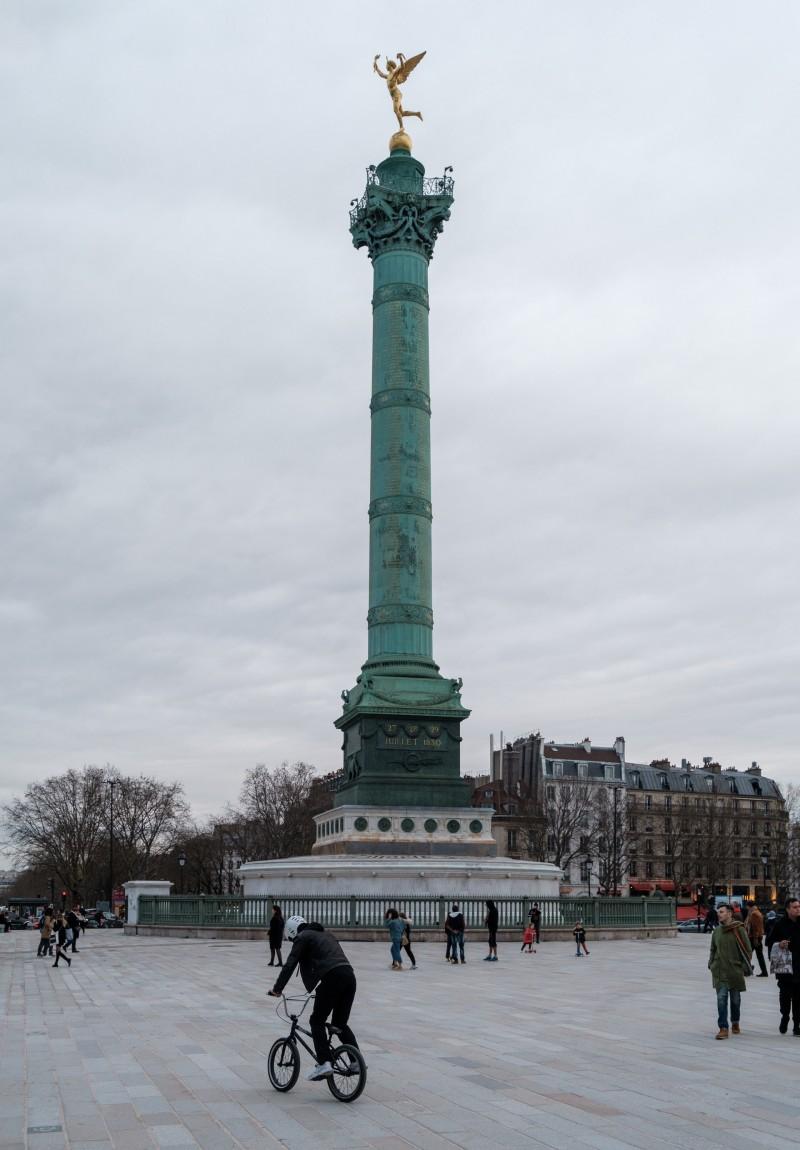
{"x": 426, "y": 911}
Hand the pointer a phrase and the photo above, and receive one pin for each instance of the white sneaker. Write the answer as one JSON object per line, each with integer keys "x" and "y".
{"x": 324, "y": 1070}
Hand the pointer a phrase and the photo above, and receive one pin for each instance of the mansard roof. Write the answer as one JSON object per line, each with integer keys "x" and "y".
{"x": 576, "y": 752}
{"x": 700, "y": 781}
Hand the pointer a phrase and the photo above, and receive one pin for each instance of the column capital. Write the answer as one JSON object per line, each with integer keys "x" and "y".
{"x": 400, "y": 208}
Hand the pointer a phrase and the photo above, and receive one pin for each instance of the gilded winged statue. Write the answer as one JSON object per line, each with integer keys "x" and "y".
{"x": 397, "y": 72}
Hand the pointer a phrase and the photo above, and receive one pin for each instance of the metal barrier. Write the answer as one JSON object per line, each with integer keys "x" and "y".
{"x": 426, "y": 911}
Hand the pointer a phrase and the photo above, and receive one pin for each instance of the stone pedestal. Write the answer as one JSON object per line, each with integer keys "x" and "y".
{"x": 142, "y": 886}
{"x": 393, "y": 830}
{"x": 400, "y": 876}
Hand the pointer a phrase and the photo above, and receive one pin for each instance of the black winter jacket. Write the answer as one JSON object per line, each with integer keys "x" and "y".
{"x": 316, "y": 952}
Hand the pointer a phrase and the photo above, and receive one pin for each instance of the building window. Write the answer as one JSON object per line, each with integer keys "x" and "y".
{"x": 648, "y": 846}
{"x": 648, "y": 870}
{"x": 753, "y": 850}
{"x": 667, "y": 846}
{"x": 767, "y": 828}
{"x": 583, "y": 770}
{"x": 736, "y": 804}
{"x": 753, "y": 829}
{"x": 548, "y": 767}
{"x": 631, "y": 822}
{"x": 668, "y": 803}
{"x": 632, "y": 869}
{"x": 737, "y": 850}
{"x": 648, "y": 802}
{"x": 736, "y": 827}
{"x": 551, "y": 794}
{"x": 737, "y": 871}
{"x": 512, "y": 840}
{"x": 753, "y": 872}
{"x": 667, "y": 824}
{"x": 668, "y": 870}
{"x": 585, "y": 872}
{"x": 584, "y": 843}
{"x": 551, "y": 844}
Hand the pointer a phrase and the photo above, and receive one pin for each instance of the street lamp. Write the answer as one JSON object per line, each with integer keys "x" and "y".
{"x": 181, "y": 864}
{"x": 588, "y": 864}
{"x": 765, "y": 864}
{"x": 111, "y": 783}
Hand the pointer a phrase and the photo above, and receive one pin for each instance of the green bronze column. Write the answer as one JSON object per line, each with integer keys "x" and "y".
{"x": 401, "y": 721}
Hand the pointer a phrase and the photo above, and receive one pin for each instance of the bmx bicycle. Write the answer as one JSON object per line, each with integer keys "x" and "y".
{"x": 283, "y": 1062}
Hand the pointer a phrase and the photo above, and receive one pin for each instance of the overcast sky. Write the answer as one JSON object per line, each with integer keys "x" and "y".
{"x": 185, "y": 369}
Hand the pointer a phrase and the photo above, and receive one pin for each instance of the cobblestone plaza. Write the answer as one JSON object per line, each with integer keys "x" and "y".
{"x": 150, "y": 1042}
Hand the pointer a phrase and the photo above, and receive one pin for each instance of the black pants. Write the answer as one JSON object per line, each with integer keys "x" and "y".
{"x": 789, "y": 998}
{"x": 758, "y": 951}
{"x": 44, "y": 946}
{"x": 407, "y": 948}
{"x": 273, "y": 951}
{"x": 335, "y": 993}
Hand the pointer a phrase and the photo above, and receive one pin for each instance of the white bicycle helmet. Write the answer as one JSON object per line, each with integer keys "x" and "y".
{"x": 293, "y": 924}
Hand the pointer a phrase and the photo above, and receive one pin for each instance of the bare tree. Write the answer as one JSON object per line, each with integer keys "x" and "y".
{"x": 276, "y": 810}
{"x": 60, "y": 826}
{"x": 611, "y": 845}
{"x": 147, "y": 818}
{"x": 570, "y": 821}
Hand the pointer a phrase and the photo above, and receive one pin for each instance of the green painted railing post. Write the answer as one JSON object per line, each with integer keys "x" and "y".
{"x": 596, "y": 911}
{"x": 442, "y": 913}
{"x": 645, "y": 918}
{"x": 352, "y": 917}
{"x": 201, "y": 910}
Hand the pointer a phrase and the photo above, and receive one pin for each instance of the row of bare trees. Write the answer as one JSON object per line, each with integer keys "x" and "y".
{"x": 61, "y": 829}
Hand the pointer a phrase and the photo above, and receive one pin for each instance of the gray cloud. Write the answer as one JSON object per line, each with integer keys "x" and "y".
{"x": 184, "y": 356}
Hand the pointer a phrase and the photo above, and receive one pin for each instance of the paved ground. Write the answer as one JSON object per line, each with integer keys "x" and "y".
{"x": 149, "y": 1043}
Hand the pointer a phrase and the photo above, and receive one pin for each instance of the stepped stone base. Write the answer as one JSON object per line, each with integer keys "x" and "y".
{"x": 400, "y": 875}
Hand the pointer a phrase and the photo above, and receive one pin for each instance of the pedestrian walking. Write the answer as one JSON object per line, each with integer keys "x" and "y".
{"x": 396, "y": 926}
{"x": 491, "y": 921}
{"x": 45, "y": 931}
{"x": 728, "y": 961}
{"x": 786, "y": 936}
{"x": 73, "y": 929}
{"x": 454, "y": 925}
{"x": 579, "y": 931}
{"x": 61, "y": 940}
{"x": 781, "y": 965}
{"x": 275, "y": 935}
{"x": 712, "y": 919}
{"x": 528, "y": 937}
{"x": 535, "y": 916}
{"x": 405, "y": 941}
{"x": 755, "y": 932}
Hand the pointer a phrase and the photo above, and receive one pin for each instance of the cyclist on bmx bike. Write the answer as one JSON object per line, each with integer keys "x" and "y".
{"x": 324, "y": 965}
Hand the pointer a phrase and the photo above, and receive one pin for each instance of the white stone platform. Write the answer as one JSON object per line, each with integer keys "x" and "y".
{"x": 354, "y": 829}
{"x": 150, "y": 1043}
{"x": 406, "y": 875}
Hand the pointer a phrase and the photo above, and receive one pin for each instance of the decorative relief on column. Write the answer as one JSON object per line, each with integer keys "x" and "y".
{"x": 401, "y": 397}
{"x": 409, "y": 292}
{"x": 385, "y": 218}
{"x": 400, "y": 613}
{"x": 401, "y": 505}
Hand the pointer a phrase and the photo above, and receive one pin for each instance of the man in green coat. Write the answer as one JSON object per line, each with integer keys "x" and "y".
{"x": 728, "y": 961}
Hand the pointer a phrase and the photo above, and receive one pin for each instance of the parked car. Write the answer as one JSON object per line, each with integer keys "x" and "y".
{"x": 18, "y": 924}
{"x": 113, "y": 921}
{"x": 689, "y": 926}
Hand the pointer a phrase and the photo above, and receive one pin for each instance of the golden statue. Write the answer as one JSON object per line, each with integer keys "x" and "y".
{"x": 397, "y": 72}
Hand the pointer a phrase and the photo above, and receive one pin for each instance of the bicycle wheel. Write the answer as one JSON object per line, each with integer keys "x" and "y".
{"x": 283, "y": 1064}
{"x": 349, "y": 1073}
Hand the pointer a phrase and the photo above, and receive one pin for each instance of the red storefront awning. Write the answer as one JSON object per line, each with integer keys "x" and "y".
{"x": 667, "y": 886}
{"x": 641, "y": 887}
